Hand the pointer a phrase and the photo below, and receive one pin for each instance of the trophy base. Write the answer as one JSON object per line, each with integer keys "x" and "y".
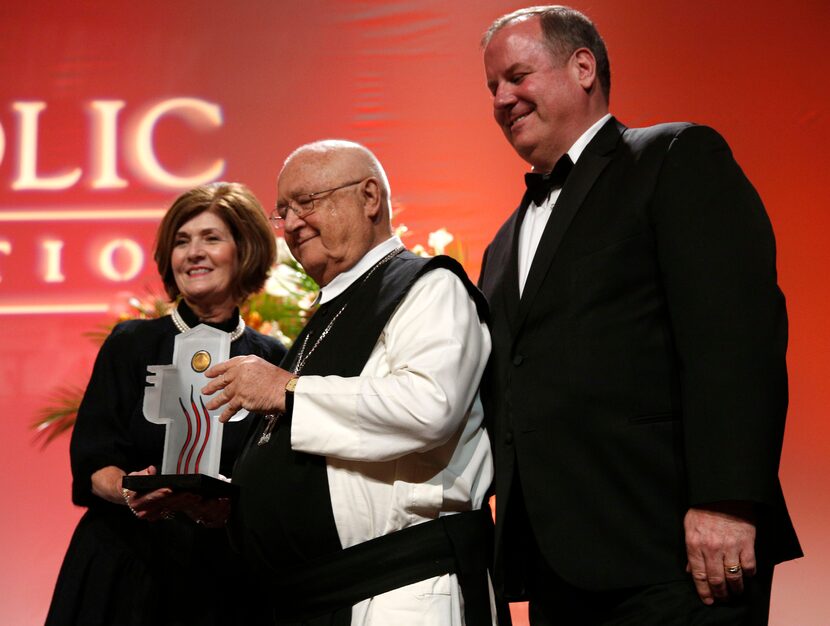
{"x": 200, "y": 484}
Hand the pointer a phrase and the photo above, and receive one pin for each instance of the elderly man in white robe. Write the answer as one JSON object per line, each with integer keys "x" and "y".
{"x": 362, "y": 492}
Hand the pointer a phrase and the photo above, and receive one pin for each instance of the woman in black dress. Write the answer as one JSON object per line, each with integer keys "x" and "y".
{"x": 132, "y": 560}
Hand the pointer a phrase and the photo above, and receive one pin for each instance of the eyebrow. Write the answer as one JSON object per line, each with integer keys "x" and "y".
{"x": 203, "y": 231}
{"x": 518, "y": 65}
{"x": 510, "y": 70}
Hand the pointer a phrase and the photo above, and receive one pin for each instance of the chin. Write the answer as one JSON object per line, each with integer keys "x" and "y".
{"x": 524, "y": 147}
{"x": 313, "y": 267}
{"x": 526, "y": 153}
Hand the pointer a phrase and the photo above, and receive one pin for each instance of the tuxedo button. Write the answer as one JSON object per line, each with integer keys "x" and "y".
{"x": 517, "y": 360}
{"x": 508, "y": 438}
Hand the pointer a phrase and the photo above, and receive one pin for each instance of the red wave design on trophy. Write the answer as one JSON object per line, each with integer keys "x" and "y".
{"x": 207, "y": 433}
{"x": 187, "y": 439}
{"x": 198, "y": 433}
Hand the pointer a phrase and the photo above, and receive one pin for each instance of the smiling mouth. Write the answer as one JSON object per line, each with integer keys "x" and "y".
{"x": 518, "y": 119}
{"x": 304, "y": 241}
{"x": 198, "y": 271}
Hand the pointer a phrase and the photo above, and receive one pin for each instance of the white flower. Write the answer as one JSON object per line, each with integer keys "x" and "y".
{"x": 281, "y": 336}
{"x": 439, "y": 239}
{"x": 307, "y": 301}
{"x": 283, "y": 252}
{"x": 283, "y": 281}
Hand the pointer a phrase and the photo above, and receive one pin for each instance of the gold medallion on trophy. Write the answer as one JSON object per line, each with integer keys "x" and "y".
{"x": 200, "y": 361}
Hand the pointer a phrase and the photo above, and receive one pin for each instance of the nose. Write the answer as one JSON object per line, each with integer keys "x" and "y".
{"x": 504, "y": 97}
{"x": 194, "y": 248}
{"x": 292, "y": 222}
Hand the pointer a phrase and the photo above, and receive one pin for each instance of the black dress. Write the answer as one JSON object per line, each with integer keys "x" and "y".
{"x": 121, "y": 570}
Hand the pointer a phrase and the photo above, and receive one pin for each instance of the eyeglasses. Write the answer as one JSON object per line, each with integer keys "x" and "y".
{"x": 303, "y": 205}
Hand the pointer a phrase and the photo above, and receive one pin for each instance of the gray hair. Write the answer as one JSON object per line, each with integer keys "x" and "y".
{"x": 565, "y": 30}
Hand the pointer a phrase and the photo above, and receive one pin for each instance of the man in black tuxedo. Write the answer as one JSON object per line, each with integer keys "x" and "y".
{"x": 637, "y": 383}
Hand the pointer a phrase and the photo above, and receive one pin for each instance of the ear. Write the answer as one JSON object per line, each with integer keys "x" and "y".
{"x": 585, "y": 65}
{"x": 372, "y": 201}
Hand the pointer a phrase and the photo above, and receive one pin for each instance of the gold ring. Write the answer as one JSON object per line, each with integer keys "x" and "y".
{"x": 733, "y": 569}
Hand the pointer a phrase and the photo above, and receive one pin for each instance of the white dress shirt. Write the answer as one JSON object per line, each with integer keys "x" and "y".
{"x": 402, "y": 441}
{"x": 536, "y": 217}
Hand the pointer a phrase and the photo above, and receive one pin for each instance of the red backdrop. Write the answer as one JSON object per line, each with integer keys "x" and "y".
{"x": 108, "y": 109}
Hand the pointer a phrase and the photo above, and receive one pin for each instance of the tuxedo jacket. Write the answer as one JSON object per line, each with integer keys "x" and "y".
{"x": 642, "y": 371}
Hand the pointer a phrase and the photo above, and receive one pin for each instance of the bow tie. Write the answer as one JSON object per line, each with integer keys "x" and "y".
{"x": 539, "y": 186}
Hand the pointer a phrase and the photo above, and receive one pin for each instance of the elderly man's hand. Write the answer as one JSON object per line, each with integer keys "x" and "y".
{"x": 247, "y": 382}
{"x": 720, "y": 546}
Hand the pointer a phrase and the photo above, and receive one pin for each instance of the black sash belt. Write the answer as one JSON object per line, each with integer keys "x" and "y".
{"x": 458, "y": 544}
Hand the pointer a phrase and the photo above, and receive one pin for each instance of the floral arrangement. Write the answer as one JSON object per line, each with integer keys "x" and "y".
{"x": 279, "y": 310}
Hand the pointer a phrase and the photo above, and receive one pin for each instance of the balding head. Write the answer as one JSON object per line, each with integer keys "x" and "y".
{"x": 348, "y": 212}
{"x": 357, "y": 156}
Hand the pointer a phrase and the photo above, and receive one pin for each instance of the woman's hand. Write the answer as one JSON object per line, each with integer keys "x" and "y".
{"x": 150, "y": 506}
{"x": 164, "y": 503}
{"x": 106, "y": 484}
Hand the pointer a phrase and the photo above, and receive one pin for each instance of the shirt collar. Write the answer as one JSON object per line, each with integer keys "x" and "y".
{"x": 344, "y": 280}
{"x": 585, "y": 138}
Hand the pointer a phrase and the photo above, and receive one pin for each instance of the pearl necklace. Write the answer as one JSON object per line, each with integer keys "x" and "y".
{"x": 182, "y": 326}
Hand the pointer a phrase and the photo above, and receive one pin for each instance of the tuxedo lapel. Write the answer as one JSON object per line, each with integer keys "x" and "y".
{"x": 511, "y": 282}
{"x": 589, "y": 166}
{"x": 500, "y": 282}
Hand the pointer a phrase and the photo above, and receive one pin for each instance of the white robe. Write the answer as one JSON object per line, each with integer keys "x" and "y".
{"x": 402, "y": 441}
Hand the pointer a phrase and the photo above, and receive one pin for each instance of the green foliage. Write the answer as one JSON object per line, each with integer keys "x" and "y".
{"x": 59, "y": 415}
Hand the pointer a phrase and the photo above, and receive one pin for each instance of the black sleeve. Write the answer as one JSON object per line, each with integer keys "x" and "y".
{"x": 101, "y": 433}
{"x": 716, "y": 254}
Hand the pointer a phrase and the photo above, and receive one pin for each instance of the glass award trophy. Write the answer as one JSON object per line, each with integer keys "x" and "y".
{"x": 193, "y": 436}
